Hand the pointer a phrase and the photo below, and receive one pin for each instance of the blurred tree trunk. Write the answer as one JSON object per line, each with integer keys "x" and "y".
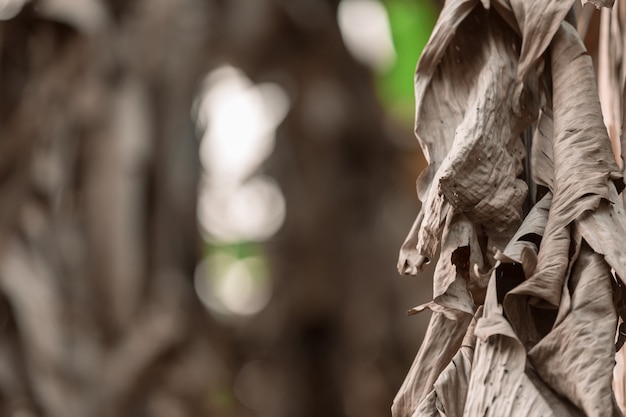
{"x": 328, "y": 344}
{"x": 98, "y": 234}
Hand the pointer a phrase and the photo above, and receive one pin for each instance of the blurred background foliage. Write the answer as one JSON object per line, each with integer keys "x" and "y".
{"x": 323, "y": 374}
{"x": 386, "y": 36}
{"x": 411, "y": 23}
{"x": 280, "y": 298}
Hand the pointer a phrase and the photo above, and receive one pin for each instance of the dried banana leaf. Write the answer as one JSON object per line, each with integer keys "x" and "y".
{"x": 436, "y": 114}
{"x": 483, "y": 72}
{"x": 573, "y": 359}
{"x": 441, "y": 343}
{"x": 447, "y": 399}
{"x": 501, "y": 383}
{"x": 454, "y": 279}
{"x": 546, "y": 338}
{"x": 528, "y": 236}
{"x": 435, "y": 67}
{"x": 538, "y": 21}
{"x": 518, "y": 262}
{"x": 541, "y": 158}
{"x": 583, "y": 164}
{"x": 605, "y": 229}
{"x": 599, "y": 3}
{"x": 479, "y": 175}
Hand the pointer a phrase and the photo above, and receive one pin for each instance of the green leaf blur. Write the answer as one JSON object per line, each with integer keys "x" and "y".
{"x": 411, "y": 23}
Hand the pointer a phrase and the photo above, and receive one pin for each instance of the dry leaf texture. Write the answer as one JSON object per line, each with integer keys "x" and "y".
{"x": 599, "y": 3}
{"x": 443, "y": 339}
{"x": 524, "y": 199}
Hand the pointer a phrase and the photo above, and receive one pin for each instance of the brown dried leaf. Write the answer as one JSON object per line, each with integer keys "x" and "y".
{"x": 556, "y": 291}
{"x": 599, "y": 3}
{"x": 611, "y": 72}
{"x": 519, "y": 262}
{"x": 479, "y": 175}
{"x": 483, "y": 74}
{"x": 460, "y": 249}
{"x": 604, "y": 229}
{"x": 442, "y": 341}
{"x": 501, "y": 384}
{"x": 452, "y": 385}
{"x": 583, "y": 161}
{"x": 455, "y": 274}
{"x": 447, "y": 399}
{"x": 438, "y": 65}
{"x": 541, "y": 158}
{"x": 435, "y": 210}
{"x": 430, "y": 407}
{"x": 576, "y": 358}
{"x": 583, "y": 164}
{"x": 538, "y": 21}
{"x": 410, "y": 261}
{"x": 529, "y": 233}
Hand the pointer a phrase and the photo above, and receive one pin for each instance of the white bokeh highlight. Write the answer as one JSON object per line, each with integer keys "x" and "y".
{"x": 236, "y": 204}
{"x": 366, "y": 31}
{"x": 230, "y": 287}
{"x": 10, "y": 8}
{"x": 240, "y": 120}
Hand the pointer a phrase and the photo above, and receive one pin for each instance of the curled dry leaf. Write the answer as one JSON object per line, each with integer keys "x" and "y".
{"x": 546, "y": 337}
{"x": 501, "y": 383}
{"x": 583, "y": 164}
{"x": 604, "y": 229}
{"x": 583, "y": 160}
{"x": 479, "y": 175}
{"x": 599, "y": 3}
{"x": 538, "y": 21}
{"x": 528, "y": 236}
{"x": 518, "y": 262}
{"x": 410, "y": 261}
{"x": 436, "y": 116}
{"x": 610, "y": 75}
{"x": 541, "y": 158}
{"x": 447, "y": 399}
{"x": 442, "y": 340}
{"x": 562, "y": 358}
{"x": 459, "y": 250}
{"x": 472, "y": 120}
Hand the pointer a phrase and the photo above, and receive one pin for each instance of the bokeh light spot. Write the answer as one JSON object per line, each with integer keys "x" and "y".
{"x": 366, "y": 32}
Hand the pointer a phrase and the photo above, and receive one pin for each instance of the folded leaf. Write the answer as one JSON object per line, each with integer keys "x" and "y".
{"x": 439, "y": 108}
{"x": 529, "y": 234}
{"x": 538, "y": 20}
{"x": 583, "y": 164}
{"x": 501, "y": 384}
{"x": 576, "y": 358}
{"x": 542, "y": 158}
{"x": 442, "y": 341}
{"x": 599, "y": 3}
{"x": 519, "y": 262}
{"x": 604, "y": 229}
{"x": 475, "y": 156}
{"x": 459, "y": 251}
{"x": 479, "y": 175}
{"x": 447, "y": 399}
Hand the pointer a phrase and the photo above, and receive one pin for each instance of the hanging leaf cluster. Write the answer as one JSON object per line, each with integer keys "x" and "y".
{"x": 521, "y": 200}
